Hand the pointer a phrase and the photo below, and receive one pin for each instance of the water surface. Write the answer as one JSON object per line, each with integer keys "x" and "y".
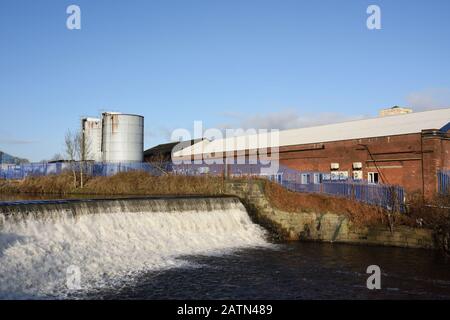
{"x": 297, "y": 270}
{"x": 208, "y": 249}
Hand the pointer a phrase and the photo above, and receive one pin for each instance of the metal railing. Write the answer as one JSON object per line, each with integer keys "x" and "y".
{"x": 386, "y": 196}
{"x": 90, "y": 168}
{"x": 443, "y": 182}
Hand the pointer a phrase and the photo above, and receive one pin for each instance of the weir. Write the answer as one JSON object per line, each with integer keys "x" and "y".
{"x": 111, "y": 241}
{"x": 75, "y": 207}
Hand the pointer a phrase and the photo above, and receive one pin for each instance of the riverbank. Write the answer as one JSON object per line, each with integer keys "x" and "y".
{"x": 141, "y": 183}
{"x": 325, "y": 225}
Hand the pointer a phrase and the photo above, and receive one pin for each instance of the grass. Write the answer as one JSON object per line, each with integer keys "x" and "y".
{"x": 125, "y": 183}
{"x": 358, "y": 212}
{"x": 434, "y": 214}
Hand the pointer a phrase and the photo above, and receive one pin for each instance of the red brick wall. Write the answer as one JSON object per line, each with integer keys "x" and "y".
{"x": 410, "y": 160}
{"x": 398, "y": 159}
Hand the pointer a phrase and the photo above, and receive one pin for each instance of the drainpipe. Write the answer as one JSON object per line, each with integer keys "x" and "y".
{"x": 383, "y": 179}
{"x": 421, "y": 167}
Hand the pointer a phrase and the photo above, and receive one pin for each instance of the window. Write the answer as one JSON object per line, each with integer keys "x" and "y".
{"x": 316, "y": 178}
{"x": 334, "y": 166}
{"x": 357, "y": 165}
{"x": 304, "y": 179}
{"x": 275, "y": 177}
{"x": 279, "y": 178}
{"x": 372, "y": 177}
{"x": 357, "y": 175}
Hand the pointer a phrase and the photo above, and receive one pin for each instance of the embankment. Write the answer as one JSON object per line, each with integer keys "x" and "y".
{"x": 324, "y": 226}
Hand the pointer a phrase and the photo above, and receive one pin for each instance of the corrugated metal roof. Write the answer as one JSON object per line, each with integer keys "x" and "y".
{"x": 166, "y": 148}
{"x": 366, "y": 128}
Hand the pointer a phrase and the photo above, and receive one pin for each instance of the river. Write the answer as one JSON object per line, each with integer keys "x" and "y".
{"x": 296, "y": 270}
{"x": 193, "y": 248}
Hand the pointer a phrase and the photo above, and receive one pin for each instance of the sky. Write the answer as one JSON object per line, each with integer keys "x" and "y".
{"x": 229, "y": 63}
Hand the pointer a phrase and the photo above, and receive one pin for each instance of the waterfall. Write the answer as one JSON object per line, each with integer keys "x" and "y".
{"x": 109, "y": 242}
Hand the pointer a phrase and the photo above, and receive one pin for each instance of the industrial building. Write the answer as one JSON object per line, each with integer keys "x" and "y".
{"x": 116, "y": 137}
{"x": 399, "y": 148}
{"x": 163, "y": 152}
{"x": 92, "y": 138}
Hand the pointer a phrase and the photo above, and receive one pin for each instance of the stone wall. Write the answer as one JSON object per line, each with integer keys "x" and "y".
{"x": 323, "y": 226}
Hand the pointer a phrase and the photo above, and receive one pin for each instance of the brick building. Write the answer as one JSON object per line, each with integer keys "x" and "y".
{"x": 404, "y": 149}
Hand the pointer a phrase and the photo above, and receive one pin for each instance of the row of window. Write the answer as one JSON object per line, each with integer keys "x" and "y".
{"x": 334, "y": 166}
{"x": 316, "y": 178}
{"x": 372, "y": 177}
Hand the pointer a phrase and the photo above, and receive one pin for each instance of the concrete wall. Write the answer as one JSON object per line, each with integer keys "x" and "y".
{"x": 323, "y": 226}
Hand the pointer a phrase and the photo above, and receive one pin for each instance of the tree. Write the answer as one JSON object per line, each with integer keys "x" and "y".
{"x": 159, "y": 162}
{"x": 57, "y": 157}
{"x": 78, "y": 149}
{"x": 71, "y": 153}
{"x": 84, "y": 154}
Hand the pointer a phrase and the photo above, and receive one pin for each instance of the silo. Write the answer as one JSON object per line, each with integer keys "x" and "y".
{"x": 123, "y": 137}
{"x": 92, "y": 138}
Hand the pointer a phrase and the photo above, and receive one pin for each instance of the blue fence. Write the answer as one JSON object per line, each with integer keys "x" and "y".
{"x": 300, "y": 181}
{"x": 444, "y": 182}
{"x": 109, "y": 169}
{"x": 386, "y": 196}
{"x": 93, "y": 169}
{"x": 12, "y": 171}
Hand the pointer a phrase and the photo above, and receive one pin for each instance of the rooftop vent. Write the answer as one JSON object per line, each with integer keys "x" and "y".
{"x": 395, "y": 110}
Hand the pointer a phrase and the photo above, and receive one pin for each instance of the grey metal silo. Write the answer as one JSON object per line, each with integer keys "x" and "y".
{"x": 123, "y": 137}
{"x": 92, "y": 138}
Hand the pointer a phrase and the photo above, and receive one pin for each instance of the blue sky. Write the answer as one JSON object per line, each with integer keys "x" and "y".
{"x": 229, "y": 63}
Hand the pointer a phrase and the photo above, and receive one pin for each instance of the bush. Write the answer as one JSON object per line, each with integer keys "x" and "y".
{"x": 434, "y": 214}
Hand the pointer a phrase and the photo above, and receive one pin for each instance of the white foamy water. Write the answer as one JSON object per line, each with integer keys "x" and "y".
{"x": 109, "y": 248}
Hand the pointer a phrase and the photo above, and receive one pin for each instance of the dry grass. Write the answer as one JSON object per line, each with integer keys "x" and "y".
{"x": 61, "y": 184}
{"x": 144, "y": 183}
{"x": 434, "y": 214}
{"x": 127, "y": 183}
{"x": 359, "y": 213}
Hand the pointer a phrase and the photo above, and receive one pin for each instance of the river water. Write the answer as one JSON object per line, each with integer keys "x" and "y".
{"x": 202, "y": 248}
{"x": 296, "y": 270}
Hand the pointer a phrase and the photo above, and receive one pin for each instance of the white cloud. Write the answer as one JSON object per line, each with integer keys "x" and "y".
{"x": 10, "y": 140}
{"x": 429, "y": 99}
{"x": 157, "y": 133}
{"x": 286, "y": 119}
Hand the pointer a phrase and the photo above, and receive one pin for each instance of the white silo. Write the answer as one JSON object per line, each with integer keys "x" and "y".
{"x": 92, "y": 138}
{"x": 123, "y": 137}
